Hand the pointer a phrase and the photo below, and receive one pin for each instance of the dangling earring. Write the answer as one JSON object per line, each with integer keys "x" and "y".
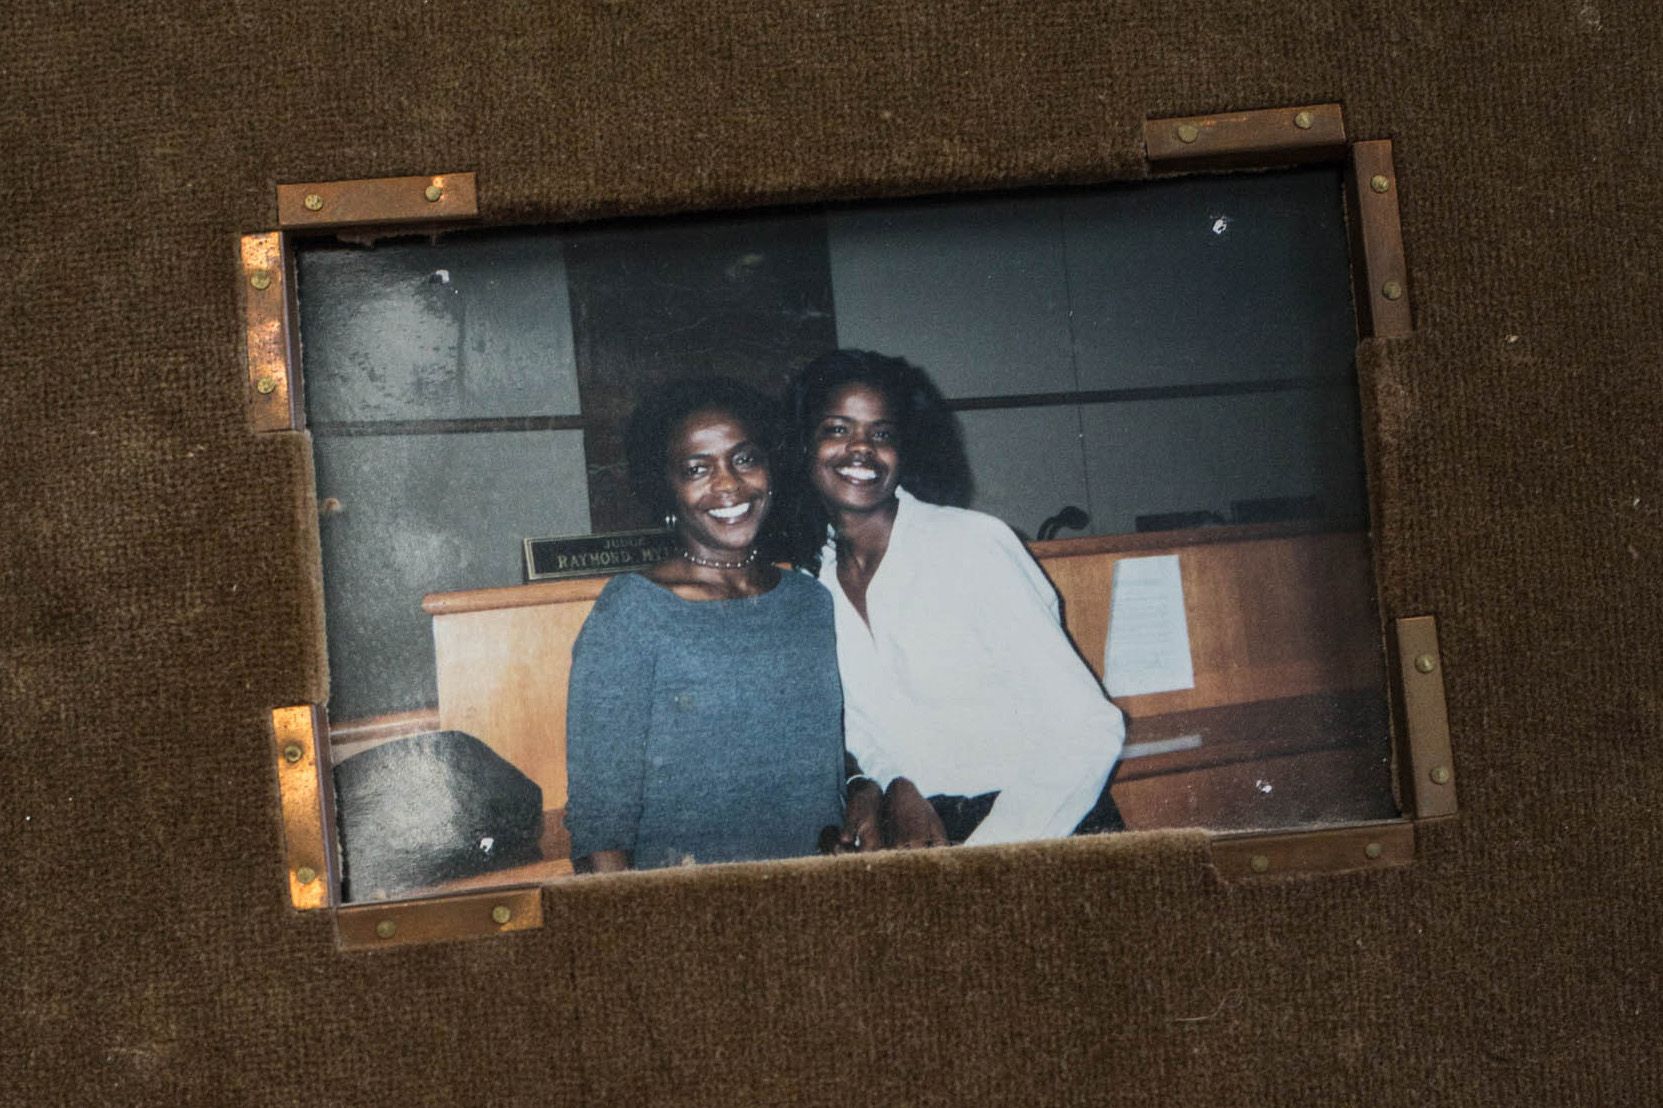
{"x": 670, "y": 520}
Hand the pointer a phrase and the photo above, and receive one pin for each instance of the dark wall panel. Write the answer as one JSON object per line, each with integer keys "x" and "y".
{"x": 974, "y": 291}
{"x": 1152, "y": 457}
{"x": 748, "y": 298}
{"x": 465, "y": 326}
{"x": 1239, "y": 278}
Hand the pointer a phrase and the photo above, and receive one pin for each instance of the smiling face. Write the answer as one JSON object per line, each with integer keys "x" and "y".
{"x": 855, "y": 454}
{"x": 720, "y": 484}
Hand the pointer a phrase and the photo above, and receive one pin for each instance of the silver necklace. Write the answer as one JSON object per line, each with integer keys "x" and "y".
{"x": 708, "y": 564}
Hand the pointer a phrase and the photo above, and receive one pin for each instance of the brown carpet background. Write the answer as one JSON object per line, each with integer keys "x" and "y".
{"x": 156, "y": 598}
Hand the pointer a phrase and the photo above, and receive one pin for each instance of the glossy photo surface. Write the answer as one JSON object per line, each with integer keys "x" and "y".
{"x": 1151, "y": 386}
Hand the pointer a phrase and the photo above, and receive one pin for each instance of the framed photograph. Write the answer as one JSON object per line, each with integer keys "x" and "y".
{"x": 1125, "y": 585}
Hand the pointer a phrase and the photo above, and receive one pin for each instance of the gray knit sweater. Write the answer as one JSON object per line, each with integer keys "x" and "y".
{"x": 708, "y": 731}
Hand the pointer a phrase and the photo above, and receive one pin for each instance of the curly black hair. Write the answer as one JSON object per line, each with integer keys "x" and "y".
{"x": 656, "y": 417}
{"x": 934, "y": 467}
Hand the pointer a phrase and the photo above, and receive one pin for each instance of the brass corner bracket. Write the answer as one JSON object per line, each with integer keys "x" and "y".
{"x": 1426, "y": 766}
{"x": 1380, "y": 274}
{"x": 1268, "y": 137}
{"x": 467, "y": 916}
{"x": 1327, "y": 850}
{"x": 267, "y": 270}
{"x": 1309, "y": 134}
{"x": 270, "y": 346}
{"x": 1426, "y": 782}
{"x": 300, "y": 735}
{"x": 302, "y": 772}
{"x": 438, "y": 197}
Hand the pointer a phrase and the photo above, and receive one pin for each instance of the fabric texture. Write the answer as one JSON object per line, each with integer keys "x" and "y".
{"x": 159, "y": 591}
{"x": 962, "y": 679}
{"x": 704, "y": 731}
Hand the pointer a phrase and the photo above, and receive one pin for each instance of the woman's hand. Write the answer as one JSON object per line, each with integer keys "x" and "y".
{"x": 910, "y": 821}
{"x": 863, "y": 818}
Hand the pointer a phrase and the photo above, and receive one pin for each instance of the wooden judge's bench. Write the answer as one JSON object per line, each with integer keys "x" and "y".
{"x": 1285, "y": 725}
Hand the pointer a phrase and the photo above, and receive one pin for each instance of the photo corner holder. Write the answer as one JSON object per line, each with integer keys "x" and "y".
{"x": 300, "y": 750}
{"x": 271, "y": 332}
{"x": 302, "y": 764}
{"x": 373, "y": 202}
{"x": 1263, "y": 139}
{"x": 1425, "y": 764}
{"x": 1421, "y": 757}
{"x": 1330, "y": 850}
{"x": 470, "y": 915}
{"x": 1297, "y": 135}
{"x": 266, "y": 270}
{"x": 1380, "y": 281}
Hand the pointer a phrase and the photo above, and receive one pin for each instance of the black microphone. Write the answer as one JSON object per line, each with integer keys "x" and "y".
{"x": 1070, "y": 517}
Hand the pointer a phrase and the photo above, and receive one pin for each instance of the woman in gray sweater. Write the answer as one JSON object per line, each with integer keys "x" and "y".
{"x": 704, "y": 711}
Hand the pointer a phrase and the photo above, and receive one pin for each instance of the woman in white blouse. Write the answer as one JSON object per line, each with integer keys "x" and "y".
{"x": 970, "y": 714}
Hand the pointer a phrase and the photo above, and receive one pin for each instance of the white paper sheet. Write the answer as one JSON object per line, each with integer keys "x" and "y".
{"x": 1148, "y": 649}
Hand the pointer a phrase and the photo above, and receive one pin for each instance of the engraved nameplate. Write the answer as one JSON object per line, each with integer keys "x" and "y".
{"x": 588, "y": 555}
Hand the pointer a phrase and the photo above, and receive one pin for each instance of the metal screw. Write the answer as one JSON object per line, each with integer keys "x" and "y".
{"x": 1440, "y": 775}
{"x": 1392, "y": 290}
{"x": 1303, "y": 121}
{"x": 1373, "y": 850}
{"x": 1258, "y": 863}
{"x": 260, "y": 278}
{"x": 265, "y": 386}
{"x": 313, "y": 202}
{"x": 1426, "y": 663}
{"x": 292, "y": 753}
{"x": 1380, "y": 183}
{"x": 1188, "y": 132}
{"x": 306, "y": 875}
{"x": 501, "y": 914}
{"x": 386, "y": 929}
{"x": 433, "y": 192}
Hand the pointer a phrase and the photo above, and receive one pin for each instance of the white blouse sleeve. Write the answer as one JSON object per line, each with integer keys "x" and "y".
{"x": 1074, "y": 734}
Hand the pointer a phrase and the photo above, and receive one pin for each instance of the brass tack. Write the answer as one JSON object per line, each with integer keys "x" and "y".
{"x": 306, "y": 875}
{"x": 266, "y": 385}
{"x": 313, "y": 202}
{"x": 386, "y": 929}
{"x": 501, "y": 914}
{"x": 292, "y": 753}
{"x": 1392, "y": 290}
{"x": 1380, "y": 183}
{"x": 1303, "y": 121}
{"x": 260, "y": 278}
{"x": 1426, "y": 663}
{"x": 1259, "y": 863}
{"x": 1373, "y": 850}
{"x": 1188, "y": 132}
{"x": 1440, "y": 775}
{"x": 433, "y": 192}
